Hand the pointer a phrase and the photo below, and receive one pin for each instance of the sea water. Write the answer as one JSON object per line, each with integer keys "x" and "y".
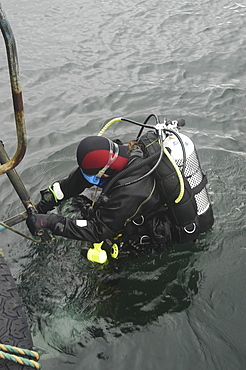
{"x": 81, "y": 64}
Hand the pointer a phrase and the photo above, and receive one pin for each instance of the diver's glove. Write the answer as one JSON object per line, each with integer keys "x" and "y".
{"x": 37, "y": 222}
{"x": 50, "y": 198}
{"x": 84, "y": 205}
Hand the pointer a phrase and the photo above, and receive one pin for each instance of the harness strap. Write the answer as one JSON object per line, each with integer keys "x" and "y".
{"x": 200, "y": 186}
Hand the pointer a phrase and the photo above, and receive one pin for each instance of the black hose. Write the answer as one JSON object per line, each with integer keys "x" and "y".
{"x": 146, "y": 174}
{"x": 146, "y": 161}
{"x": 137, "y": 123}
{"x": 147, "y": 119}
{"x": 182, "y": 146}
{"x": 129, "y": 169}
{"x": 143, "y": 125}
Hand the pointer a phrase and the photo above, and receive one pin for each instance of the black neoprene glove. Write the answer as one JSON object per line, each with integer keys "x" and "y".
{"x": 37, "y": 222}
{"x": 83, "y": 204}
{"x": 47, "y": 203}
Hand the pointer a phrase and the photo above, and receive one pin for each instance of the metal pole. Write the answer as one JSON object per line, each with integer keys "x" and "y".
{"x": 16, "y": 93}
{"x": 15, "y": 180}
{"x": 20, "y": 189}
{"x": 14, "y": 220}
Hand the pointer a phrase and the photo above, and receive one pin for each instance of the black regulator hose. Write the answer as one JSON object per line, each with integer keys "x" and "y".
{"x": 144, "y": 125}
{"x": 147, "y": 160}
{"x": 145, "y": 122}
{"x": 134, "y": 167}
{"x": 182, "y": 146}
{"x": 137, "y": 123}
{"x": 146, "y": 174}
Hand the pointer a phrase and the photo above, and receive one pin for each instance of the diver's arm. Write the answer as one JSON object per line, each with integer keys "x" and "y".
{"x": 108, "y": 220}
{"x": 74, "y": 184}
{"x": 61, "y": 190}
{"x": 92, "y": 231}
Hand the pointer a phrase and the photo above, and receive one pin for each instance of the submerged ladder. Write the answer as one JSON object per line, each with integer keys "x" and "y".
{"x": 8, "y": 165}
{"x": 16, "y": 95}
{"x": 10, "y": 351}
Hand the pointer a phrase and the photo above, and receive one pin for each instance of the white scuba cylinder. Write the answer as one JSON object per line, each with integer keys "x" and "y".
{"x": 193, "y": 171}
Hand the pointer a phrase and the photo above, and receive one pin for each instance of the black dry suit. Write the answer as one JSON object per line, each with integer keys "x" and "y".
{"x": 129, "y": 208}
{"x": 139, "y": 204}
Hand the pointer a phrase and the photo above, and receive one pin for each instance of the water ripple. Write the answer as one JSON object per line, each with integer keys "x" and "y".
{"x": 82, "y": 64}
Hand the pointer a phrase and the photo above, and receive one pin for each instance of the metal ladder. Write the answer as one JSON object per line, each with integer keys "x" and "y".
{"x": 8, "y": 165}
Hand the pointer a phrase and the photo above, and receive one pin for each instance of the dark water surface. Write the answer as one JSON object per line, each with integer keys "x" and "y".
{"x": 82, "y": 63}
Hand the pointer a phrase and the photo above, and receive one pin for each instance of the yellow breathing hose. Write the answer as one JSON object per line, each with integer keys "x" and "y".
{"x": 166, "y": 152}
{"x": 105, "y": 127}
{"x": 179, "y": 174}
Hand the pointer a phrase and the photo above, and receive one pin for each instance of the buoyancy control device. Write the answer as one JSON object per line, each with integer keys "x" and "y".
{"x": 181, "y": 180}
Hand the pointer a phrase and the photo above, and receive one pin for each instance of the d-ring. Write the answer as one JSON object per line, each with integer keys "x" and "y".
{"x": 141, "y": 241}
{"x": 192, "y": 231}
{"x": 141, "y": 222}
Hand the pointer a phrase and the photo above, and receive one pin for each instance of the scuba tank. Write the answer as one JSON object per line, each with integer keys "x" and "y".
{"x": 195, "y": 176}
{"x": 181, "y": 181}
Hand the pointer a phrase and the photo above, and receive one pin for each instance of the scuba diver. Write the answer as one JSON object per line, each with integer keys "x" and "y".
{"x": 137, "y": 207}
